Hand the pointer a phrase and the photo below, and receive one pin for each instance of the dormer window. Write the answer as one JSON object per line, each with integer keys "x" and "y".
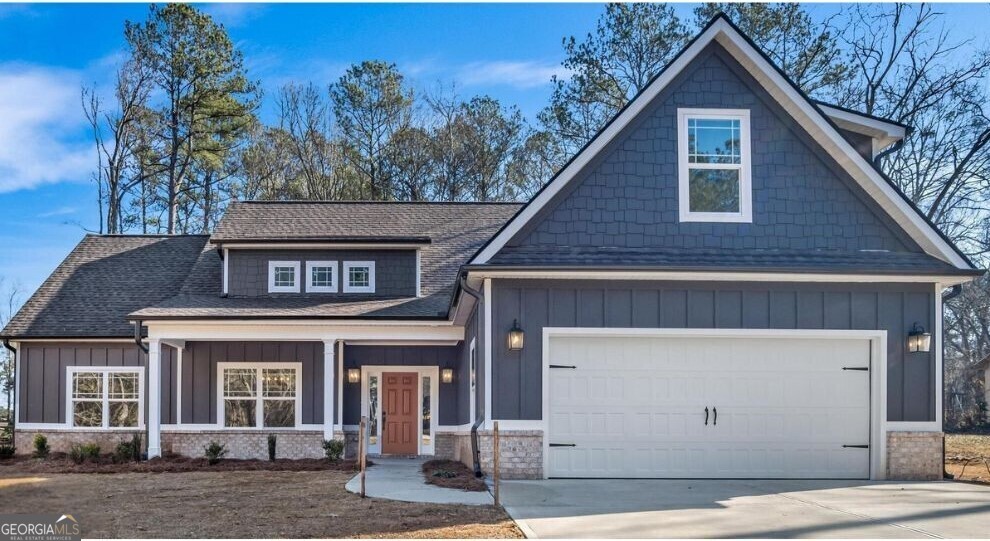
{"x": 322, "y": 276}
{"x": 359, "y": 277}
{"x": 283, "y": 277}
{"x": 714, "y": 165}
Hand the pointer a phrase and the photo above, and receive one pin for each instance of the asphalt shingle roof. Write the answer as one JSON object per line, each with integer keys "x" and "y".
{"x": 103, "y": 279}
{"x": 874, "y": 262}
{"x": 454, "y": 231}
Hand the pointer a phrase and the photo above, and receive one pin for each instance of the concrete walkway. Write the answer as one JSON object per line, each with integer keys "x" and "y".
{"x": 747, "y": 509}
{"x": 402, "y": 479}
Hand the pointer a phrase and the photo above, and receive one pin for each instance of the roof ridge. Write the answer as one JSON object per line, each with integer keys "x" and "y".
{"x": 146, "y": 235}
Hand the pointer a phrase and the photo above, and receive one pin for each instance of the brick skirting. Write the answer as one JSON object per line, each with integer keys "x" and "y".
{"x": 915, "y": 456}
{"x": 254, "y": 444}
{"x": 61, "y": 440}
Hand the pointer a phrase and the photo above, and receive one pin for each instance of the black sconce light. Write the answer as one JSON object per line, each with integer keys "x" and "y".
{"x": 919, "y": 339}
{"x": 516, "y": 336}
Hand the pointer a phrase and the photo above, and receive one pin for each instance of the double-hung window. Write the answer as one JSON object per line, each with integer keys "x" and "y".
{"x": 322, "y": 276}
{"x": 105, "y": 397}
{"x": 714, "y": 165}
{"x": 359, "y": 277}
{"x": 254, "y": 395}
{"x": 283, "y": 277}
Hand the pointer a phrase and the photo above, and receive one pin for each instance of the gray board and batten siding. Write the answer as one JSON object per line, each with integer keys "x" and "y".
{"x": 517, "y": 375}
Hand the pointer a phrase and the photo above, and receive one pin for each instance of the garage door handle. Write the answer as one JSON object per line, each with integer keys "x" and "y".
{"x": 563, "y": 445}
{"x": 858, "y": 368}
{"x": 715, "y": 421}
{"x": 706, "y": 416}
{"x": 856, "y": 446}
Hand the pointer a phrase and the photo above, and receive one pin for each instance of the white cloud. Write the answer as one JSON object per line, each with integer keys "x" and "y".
{"x": 519, "y": 74}
{"x": 42, "y": 127}
{"x": 60, "y": 211}
{"x": 232, "y": 15}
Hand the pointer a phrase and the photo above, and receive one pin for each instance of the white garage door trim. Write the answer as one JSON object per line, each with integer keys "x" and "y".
{"x": 878, "y": 375}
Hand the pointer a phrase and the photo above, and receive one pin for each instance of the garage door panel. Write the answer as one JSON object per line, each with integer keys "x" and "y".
{"x": 634, "y": 407}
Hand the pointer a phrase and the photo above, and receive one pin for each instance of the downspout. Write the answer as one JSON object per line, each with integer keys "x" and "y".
{"x": 954, "y": 292}
{"x": 475, "y": 448}
{"x": 147, "y": 380}
{"x": 889, "y": 150}
{"x": 13, "y": 407}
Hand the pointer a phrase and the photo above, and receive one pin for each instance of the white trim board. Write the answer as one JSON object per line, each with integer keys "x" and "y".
{"x": 808, "y": 115}
{"x": 712, "y": 276}
{"x": 878, "y": 374}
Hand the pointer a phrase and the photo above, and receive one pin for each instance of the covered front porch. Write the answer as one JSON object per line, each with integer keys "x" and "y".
{"x": 239, "y": 382}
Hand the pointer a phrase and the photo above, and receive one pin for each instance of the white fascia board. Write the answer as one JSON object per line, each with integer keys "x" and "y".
{"x": 281, "y": 331}
{"x": 797, "y": 105}
{"x": 886, "y": 132}
{"x": 716, "y": 276}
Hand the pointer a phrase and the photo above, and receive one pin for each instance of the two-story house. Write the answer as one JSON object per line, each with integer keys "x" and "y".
{"x": 720, "y": 284}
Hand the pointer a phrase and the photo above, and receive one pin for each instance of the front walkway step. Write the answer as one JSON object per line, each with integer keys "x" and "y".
{"x": 402, "y": 479}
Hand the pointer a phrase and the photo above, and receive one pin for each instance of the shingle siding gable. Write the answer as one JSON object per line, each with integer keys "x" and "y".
{"x": 628, "y": 197}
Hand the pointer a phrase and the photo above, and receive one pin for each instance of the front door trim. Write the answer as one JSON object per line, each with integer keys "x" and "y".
{"x": 433, "y": 372}
{"x": 878, "y": 373}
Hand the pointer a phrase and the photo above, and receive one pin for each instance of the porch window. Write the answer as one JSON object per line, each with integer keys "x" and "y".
{"x": 105, "y": 397}
{"x": 426, "y": 411}
{"x": 283, "y": 277}
{"x": 359, "y": 277}
{"x": 260, "y": 396}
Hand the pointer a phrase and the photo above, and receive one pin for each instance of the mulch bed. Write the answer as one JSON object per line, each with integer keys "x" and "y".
{"x": 452, "y": 474}
{"x": 60, "y": 463}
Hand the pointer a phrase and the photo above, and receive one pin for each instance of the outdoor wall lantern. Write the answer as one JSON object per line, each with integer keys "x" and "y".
{"x": 919, "y": 339}
{"x": 447, "y": 375}
{"x": 353, "y": 375}
{"x": 516, "y": 336}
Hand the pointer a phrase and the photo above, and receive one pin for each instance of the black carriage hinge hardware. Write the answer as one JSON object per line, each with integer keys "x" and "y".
{"x": 561, "y": 366}
{"x": 860, "y": 368}
{"x": 856, "y": 446}
{"x": 563, "y": 445}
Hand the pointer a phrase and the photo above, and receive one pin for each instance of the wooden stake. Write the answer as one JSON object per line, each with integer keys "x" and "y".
{"x": 362, "y": 451}
{"x": 495, "y": 461}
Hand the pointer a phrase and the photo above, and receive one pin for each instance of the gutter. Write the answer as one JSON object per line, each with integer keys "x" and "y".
{"x": 891, "y": 149}
{"x": 475, "y": 448}
{"x": 13, "y": 408}
{"x": 954, "y": 292}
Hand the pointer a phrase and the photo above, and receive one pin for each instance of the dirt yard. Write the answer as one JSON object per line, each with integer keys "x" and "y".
{"x": 243, "y": 504}
{"x": 967, "y": 457}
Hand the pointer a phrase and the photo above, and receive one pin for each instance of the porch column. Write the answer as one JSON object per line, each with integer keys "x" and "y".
{"x": 329, "y": 387}
{"x": 154, "y": 398}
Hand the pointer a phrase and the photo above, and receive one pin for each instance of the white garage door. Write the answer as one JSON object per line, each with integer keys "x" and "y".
{"x": 776, "y": 407}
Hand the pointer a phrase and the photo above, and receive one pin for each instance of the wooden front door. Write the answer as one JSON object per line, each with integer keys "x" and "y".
{"x": 399, "y": 413}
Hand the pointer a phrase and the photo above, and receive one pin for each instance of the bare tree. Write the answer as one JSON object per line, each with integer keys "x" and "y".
{"x": 10, "y": 300}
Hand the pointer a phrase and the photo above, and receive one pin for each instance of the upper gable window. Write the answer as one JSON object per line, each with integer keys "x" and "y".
{"x": 359, "y": 277}
{"x": 322, "y": 276}
{"x": 283, "y": 277}
{"x": 714, "y": 165}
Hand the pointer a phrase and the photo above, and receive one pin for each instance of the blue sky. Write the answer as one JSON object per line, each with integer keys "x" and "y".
{"x": 48, "y": 51}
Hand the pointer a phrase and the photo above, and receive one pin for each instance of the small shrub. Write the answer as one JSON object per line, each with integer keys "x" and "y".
{"x": 41, "y": 448}
{"x": 272, "y": 440}
{"x": 80, "y": 453}
{"x": 333, "y": 449}
{"x": 136, "y": 447}
{"x": 124, "y": 452}
{"x": 215, "y": 452}
{"x": 6, "y": 451}
{"x": 444, "y": 474}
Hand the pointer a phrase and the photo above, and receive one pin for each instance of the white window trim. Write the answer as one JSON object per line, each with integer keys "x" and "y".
{"x": 332, "y": 288}
{"x": 70, "y": 371}
{"x": 259, "y": 409}
{"x": 272, "y": 288}
{"x": 346, "y": 277}
{"x": 745, "y": 213}
{"x": 433, "y": 372}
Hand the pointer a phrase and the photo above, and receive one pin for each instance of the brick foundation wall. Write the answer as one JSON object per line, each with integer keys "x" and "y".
{"x": 295, "y": 444}
{"x": 520, "y": 454}
{"x": 60, "y": 440}
{"x": 915, "y": 456}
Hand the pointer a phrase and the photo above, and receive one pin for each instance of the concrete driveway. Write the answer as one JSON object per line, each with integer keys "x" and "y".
{"x": 744, "y": 508}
